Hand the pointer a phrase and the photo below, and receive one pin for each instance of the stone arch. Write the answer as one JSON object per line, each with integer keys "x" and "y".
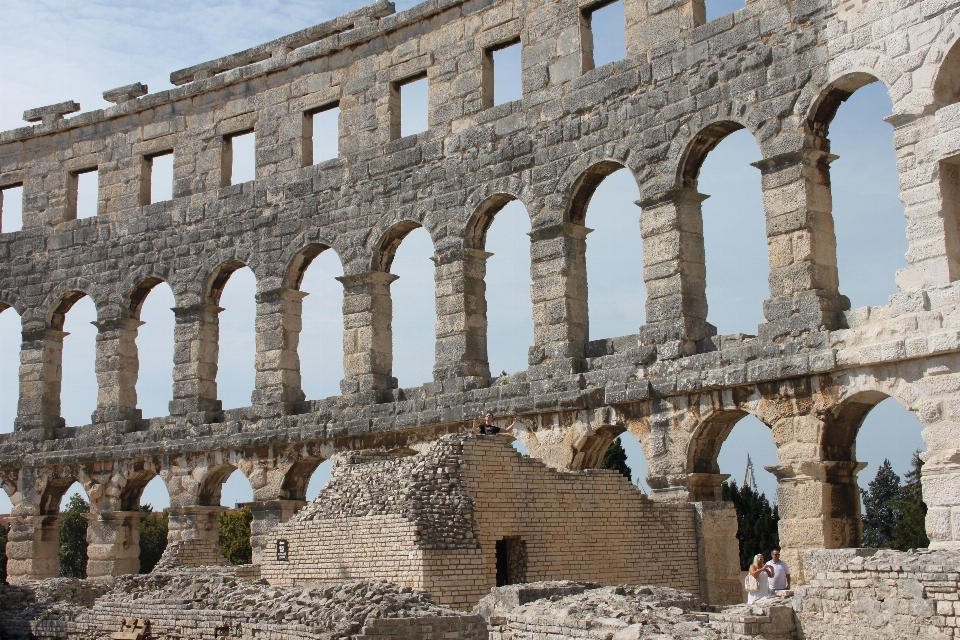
{"x": 297, "y": 478}
{"x": 824, "y": 108}
{"x": 55, "y": 485}
{"x": 847, "y": 72}
{"x": 134, "y": 482}
{"x": 946, "y": 82}
{"x": 217, "y": 280}
{"x": 486, "y": 201}
{"x": 699, "y": 146}
{"x": 388, "y": 243}
{"x": 584, "y": 175}
{"x": 9, "y": 299}
{"x": 211, "y": 483}
{"x": 297, "y": 265}
{"x": 62, "y": 299}
{"x": 138, "y": 285}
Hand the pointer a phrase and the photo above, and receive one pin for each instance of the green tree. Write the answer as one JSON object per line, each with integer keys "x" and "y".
{"x": 73, "y": 538}
{"x": 153, "y": 538}
{"x": 910, "y": 531}
{"x": 615, "y": 458}
{"x": 881, "y": 508}
{"x": 757, "y": 521}
{"x": 235, "y": 535}
{"x": 3, "y": 554}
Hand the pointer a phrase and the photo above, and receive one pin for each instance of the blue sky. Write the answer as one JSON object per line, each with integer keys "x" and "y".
{"x": 56, "y": 51}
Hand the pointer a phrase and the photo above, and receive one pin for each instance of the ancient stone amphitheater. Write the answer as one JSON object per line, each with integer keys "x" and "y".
{"x": 778, "y": 68}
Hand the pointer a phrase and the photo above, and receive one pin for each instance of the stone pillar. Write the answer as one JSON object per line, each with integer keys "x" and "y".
{"x": 674, "y": 273}
{"x": 461, "y": 347}
{"x": 267, "y": 514}
{"x": 278, "y": 363}
{"x": 940, "y": 480}
{"x": 367, "y": 334}
{"x": 113, "y": 543}
{"x": 819, "y": 504}
{"x": 559, "y": 295}
{"x": 930, "y": 192}
{"x": 33, "y": 547}
{"x": 801, "y": 243}
{"x": 705, "y": 487}
{"x": 196, "y": 338}
{"x": 718, "y": 552}
{"x": 196, "y": 527}
{"x": 117, "y": 367}
{"x": 40, "y": 375}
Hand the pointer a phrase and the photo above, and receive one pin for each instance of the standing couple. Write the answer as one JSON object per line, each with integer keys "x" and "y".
{"x": 764, "y": 578}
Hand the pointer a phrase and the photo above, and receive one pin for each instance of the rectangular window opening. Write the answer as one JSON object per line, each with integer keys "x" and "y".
{"x": 501, "y": 81}
{"x": 603, "y": 34}
{"x": 410, "y": 107}
{"x": 511, "y": 561}
{"x": 321, "y": 134}
{"x": 157, "y": 178}
{"x": 11, "y": 208}
{"x": 239, "y": 163}
{"x": 84, "y": 193}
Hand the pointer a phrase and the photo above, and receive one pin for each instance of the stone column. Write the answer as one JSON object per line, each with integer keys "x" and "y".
{"x": 267, "y": 514}
{"x": 940, "y": 480}
{"x": 196, "y": 338}
{"x": 674, "y": 272}
{"x": 117, "y": 367}
{"x": 113, "y": 543}
{"x": 718, "y": 552}
{"x": 40, "y": 375}
{"x": 461, "y": 347}
{"x": 559, "y": 294}
{"x": 278, "y": 363}
{"x": 197, "y": 530}
{"x": 33, "y": 547}
{"x": 705, "y": 487}
{"x": 367, "y": 334}
{"x": 819, "y": 504}
{"x": 801, "y": 243}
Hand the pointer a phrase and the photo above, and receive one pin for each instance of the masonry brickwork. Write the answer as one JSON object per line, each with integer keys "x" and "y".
{"x": 814, "y": 369}
{"x": 394, "y": 523}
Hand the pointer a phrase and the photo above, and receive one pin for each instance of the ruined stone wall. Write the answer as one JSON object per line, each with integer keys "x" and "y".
{"x": 777, "y": 68}
{"x": 591, "y": 524}
{"x": 865, "y": 593}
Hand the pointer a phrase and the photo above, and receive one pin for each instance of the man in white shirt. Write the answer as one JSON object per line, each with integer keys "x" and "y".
{"x": 781, "y": 572}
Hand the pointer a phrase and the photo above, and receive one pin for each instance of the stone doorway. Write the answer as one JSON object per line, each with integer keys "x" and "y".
{"x": 511, "y": 561}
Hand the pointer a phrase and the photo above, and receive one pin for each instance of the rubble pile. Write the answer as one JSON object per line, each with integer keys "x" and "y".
{"x": 432, "y": 493}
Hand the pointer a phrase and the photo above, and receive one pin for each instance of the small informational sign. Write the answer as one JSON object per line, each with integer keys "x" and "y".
{"x": 283, "y": 551}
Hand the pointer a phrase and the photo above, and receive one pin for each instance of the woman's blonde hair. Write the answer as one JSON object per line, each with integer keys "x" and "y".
{"x": 756, "y": 559}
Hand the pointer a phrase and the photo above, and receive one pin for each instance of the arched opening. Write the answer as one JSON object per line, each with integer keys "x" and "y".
{"x": 319, "y": 479}
{"x": 227, "y": 486}
{"x": 946, "y": 87}
{"x": 152, "y": 303}
{"x": 635, "y": 460}
{"x": 65, "y": 498}
{"x": 78, "y": 391}
{"x": 868, "y": 217}
{"x": 10, "y": 340}
{"x": 321, "y": 336}
{"x": 726, "y": 462}
{"x": 502, "y": 228}
{"x": 154, "y": 524}
{"x": 734, "y": 234}
{"x": 605, "y": 196}
{"x": 881, "y": 440}
{"x": 234, "y": 289}
{"x": 406, "y": 253}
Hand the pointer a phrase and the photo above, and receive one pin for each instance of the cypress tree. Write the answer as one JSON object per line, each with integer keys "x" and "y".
{"x": 615, "y": 459}
{"x": 73, "y": 538}
{"x": 881, "y": 508}
{"x": 910, "y": 531}
{"x": 757, "y": 528}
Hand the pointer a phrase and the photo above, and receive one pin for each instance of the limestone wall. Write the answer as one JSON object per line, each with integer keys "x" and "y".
{"x": 587, "y": 525}
{"x": 856, "y": 594}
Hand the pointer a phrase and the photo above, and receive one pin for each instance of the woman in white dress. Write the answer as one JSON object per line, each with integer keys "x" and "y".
{"x": 763, "y": 574}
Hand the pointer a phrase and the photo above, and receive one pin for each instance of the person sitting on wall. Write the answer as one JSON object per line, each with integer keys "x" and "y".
{"x": 490, "y": 429}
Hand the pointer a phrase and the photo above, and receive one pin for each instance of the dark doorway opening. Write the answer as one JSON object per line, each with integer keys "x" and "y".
{"x": 511, "y": 561}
